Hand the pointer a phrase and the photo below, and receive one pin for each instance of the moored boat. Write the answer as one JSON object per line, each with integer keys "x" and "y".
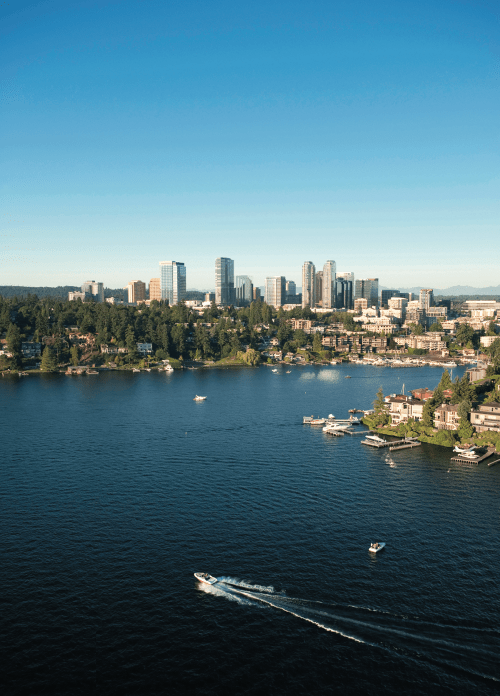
{"x": 205, "y": 577}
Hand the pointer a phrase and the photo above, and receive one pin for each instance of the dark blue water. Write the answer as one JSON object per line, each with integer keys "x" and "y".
{"x": 117, "y": 487}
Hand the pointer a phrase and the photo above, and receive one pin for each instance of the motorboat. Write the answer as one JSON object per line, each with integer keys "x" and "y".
{"x": 274, "y": 370}
{"x": 374, "y": 548}
{"x": 288, "y": 372}
{"x": 375, "y": 438}
{"x": 307, "y": 419}
{"x": 329, "y": 427}
{"x": 205, "y": 577}
{"x": 135, "y": 370}
{"x": 318, "y": 421}
{"x": 169, "y": 368}
{"x": 199, "y": 398}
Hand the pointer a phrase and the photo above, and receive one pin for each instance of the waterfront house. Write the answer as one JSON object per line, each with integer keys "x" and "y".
{"x": 401, "y": 408}
{"x": 446, "y": 417}
{"x": 486, "y": 417}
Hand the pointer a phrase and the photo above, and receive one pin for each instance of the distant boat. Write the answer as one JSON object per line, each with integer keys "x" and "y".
{"x": 375, "y": 548}
{"x": 199, "y": 398}
{"x": 274, "y": 370}
{"x": 135, "y": 370}
{"x": 348, "y": 377}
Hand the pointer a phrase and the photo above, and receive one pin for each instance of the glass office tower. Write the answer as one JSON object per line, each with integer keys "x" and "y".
{"x": 172, "y": 281}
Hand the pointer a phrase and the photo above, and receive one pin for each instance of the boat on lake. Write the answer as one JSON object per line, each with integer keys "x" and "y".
{"x": 205, "y": 577}
{"x": 199, "y": 398}
{"x": 318, "y": 421}
{"x": 378, "y": 546}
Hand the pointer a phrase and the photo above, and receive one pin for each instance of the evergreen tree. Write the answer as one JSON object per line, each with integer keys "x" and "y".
{"x": 74, "y": 355}
{"x": 317, "y": 345}
{"x": 379, "y": 403}
{"x": 465, "y": 429}
{"x": 445, "y": 382}
{"x": 48, "y": 361}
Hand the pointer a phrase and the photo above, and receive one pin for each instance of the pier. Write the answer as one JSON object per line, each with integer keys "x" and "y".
{"x": 462, "y": 460}
{"x": 394, "y": 445}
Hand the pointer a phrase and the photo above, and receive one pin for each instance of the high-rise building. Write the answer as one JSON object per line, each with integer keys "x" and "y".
{"x": 426, "y": 299}
{"x": 318, "y": 289}
{"x": 155, "y": 289}
{"x": 224, "y": 281}
{"x": 308, "y": 282}
{"x": 243, "y": 290}
{"x": 172, "y": 281}
{"x": 386, "y": 295}
{"x": 95, "y": 289}
{"x": 344, "y": 298}
{"x": 257, "y": 295}
{"x": 329, "y": 285}
{"x": 275, "y": 291}
{"x": 291, "y": 287}
{"x": 136, "y": 291}
{"x": 210, "y": 297}
{"x": 367, "y": 288}
{"x": 347, "y": 276}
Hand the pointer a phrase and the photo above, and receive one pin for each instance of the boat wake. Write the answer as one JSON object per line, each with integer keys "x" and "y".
{"x": 456, "y": 646}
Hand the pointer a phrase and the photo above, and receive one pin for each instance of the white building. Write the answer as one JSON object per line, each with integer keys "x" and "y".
{"x": 275, "y": 291}
{"x": 329, "y": 276}
{"x": 308, "y": 284}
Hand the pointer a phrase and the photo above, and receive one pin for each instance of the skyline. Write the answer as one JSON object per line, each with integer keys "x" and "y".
{"x": 364, "y": 134}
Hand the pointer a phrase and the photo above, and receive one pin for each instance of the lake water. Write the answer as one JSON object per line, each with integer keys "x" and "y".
{"x": 117, "y": 487}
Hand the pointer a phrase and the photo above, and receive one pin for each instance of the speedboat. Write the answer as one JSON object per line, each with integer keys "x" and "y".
{"x": 199, "y": 398}
{"x": 375, "y": 438}
{"x": 374, "y": 548}
{"x": 274, "y": 370}
{"x": 205, "y": 577}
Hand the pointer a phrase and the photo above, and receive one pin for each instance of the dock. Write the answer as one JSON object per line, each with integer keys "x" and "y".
{"x": 395, "y": 444}
{"x": 408, "y": 445}
{"x": 464, "y": 460}
{"x": 493, "y": 463}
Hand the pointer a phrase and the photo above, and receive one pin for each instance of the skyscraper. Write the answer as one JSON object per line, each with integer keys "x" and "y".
{"x": 95, "y": 289}
{"x": 154, "y": 289}
{"x": 172, "y": 281}
{"x": 318, "y": 288}
{"x": 344, "y": 299}
{"x": 291, "y": 288}
{"x": 244, "y": 290}
{"x": 308, "y": 282}
{"x": 426, "y": 299}
{"x": 275, "y": 291}
{"x": 224, "y": 281}
{"x": 367, "y": 288}
{"x": 329, "y": 286}
{"x": 136, "y": 290}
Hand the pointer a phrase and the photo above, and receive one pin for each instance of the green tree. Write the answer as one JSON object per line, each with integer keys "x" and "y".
{"x": 74, "y": 355}
{"x": 445, "y": 381}
{"x": 465, "y": 333}
{"x": 48, "y": 361}
{"x": 14, "y": 345}
{"x": 317, "y": 345}
{"x": 461, "y": 390}
{"x": 465, "y": 429}
{"x": 437, "y": 326}
{"x": 379, "y": 403}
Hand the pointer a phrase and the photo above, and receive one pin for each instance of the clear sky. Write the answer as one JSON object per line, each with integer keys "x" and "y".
{"x": 137, "y": 131}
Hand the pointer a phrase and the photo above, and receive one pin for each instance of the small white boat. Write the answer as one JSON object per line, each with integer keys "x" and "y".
{"x": 375, "y": 438}
{"x": 307, "y": 419}
{"x": 378, "y": 546}
{"x": 199, "y": 398}
{"x": 318, "y": 421}
{"x": 205, "y": 577}
{"x": 288, "y": 372}
{"x": 135, "y": 370}
{"x": 274, "y": 370}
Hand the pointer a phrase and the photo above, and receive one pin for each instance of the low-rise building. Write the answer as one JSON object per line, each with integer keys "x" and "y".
{"x": 446, "y": 417}
{"x": 31, "y": 349}
{"x": 402, "y": 409}
{"x": 486, "y": 417}
{"x": 145, "y": 348}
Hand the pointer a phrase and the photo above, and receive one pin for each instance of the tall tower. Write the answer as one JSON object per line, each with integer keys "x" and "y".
{"x": 329, "y": 287}
{"x": 244, "y": 290}
{"x": 426, "y": 299}
{"x": 367, "y": 288}
{"x": 308, "y": 283}
{"x": 172, "y": 281}
{"x": 275, "y": 291}
{"x": 224, "y": 281}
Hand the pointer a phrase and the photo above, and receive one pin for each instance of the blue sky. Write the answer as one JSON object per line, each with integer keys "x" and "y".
{"x": 271, "y": 132}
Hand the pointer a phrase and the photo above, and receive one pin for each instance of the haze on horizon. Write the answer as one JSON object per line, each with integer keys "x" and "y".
{"x": 271, "y": 133}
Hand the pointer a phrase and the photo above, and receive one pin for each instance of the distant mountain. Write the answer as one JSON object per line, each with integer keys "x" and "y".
{"x": 456, "y": 290}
